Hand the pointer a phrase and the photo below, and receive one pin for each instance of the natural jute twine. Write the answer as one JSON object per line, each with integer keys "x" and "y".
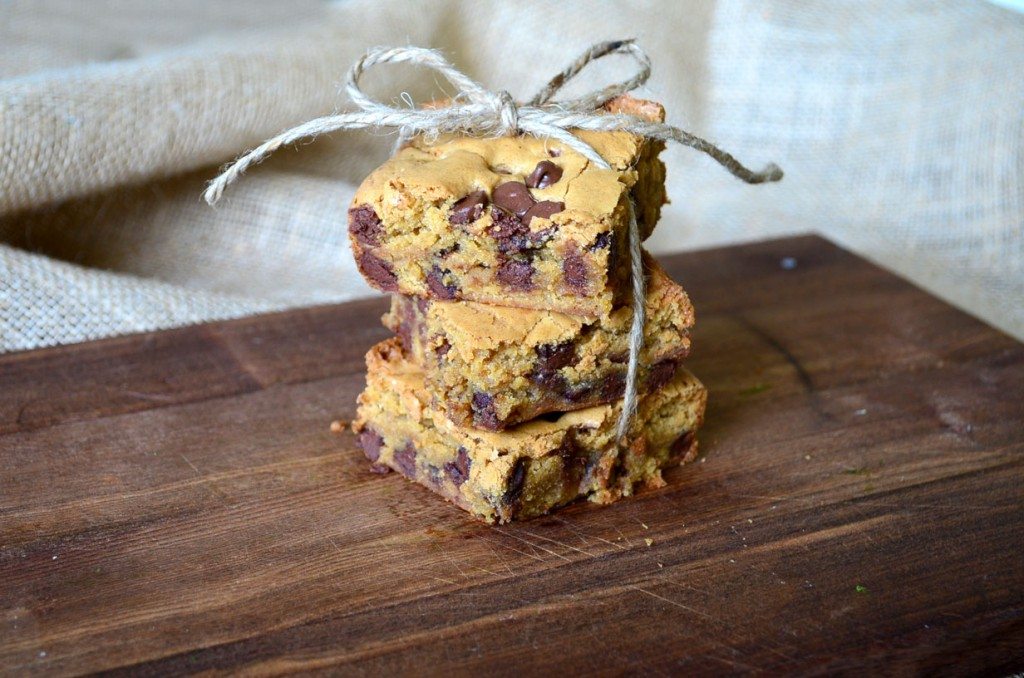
{"x": 480, "y": 112}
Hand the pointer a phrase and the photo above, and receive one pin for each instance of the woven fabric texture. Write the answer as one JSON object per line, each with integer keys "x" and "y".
{"x": 899, "y": 126}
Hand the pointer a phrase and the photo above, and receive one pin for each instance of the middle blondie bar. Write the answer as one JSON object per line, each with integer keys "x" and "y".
{"x": 493, "y": 367}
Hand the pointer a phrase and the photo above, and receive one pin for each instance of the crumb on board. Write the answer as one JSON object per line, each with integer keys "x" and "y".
{"x": 648, "y": 541}
{"x": 338, "y": 425}
{"x": 860, "y": 588}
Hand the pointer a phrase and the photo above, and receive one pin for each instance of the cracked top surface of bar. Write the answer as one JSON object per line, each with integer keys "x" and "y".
{"x": 518, "y": 221}
{"x": 495, "y": 366}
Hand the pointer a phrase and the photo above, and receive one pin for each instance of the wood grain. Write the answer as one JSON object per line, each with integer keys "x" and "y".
{"x": 174, "y": 503}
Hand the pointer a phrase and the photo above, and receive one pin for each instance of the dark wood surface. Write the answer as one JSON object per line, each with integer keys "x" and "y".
{"x": 175, "y": 502}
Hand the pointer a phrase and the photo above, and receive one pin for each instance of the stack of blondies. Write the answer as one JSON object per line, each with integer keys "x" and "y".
{"x": 508, "y": 263}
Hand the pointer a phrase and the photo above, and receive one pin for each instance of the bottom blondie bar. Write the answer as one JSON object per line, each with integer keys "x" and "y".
{"x": 530, "y": 469}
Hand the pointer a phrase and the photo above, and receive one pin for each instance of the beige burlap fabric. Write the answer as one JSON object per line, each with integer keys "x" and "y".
{"x": 899, "y": 125}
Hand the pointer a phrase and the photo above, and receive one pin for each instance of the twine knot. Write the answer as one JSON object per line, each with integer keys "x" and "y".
{"x": 508, "y": 113}
{"x": 478, "y": 111}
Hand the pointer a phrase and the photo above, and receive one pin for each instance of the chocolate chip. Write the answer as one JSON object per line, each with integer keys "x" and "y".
{"x": 682, "y": 445}
{"x": 516, "y": 482}
{"x": 512, "y": 235}
{"x": 458, "y": 470}
{"x": 443, "y": 253}
{"x": 613, "y": 386}
{"x": 371, "y": 442}
{"x": 602, "y": 241}
{"x": 378, "y": 272}
{"x": 405, "y": 459}
{"x": 443, "y": 348}
{"x": 515, "y": 274}
{"x": 468, "y": 209}
{"x": 544, "y": 174}
{"x": 575, "y": 270}
{"x": 484, "y": 415}
{"x": 550, "y": 380}
{"x": 514, "y": 197}
{"x": 580, "y": 393}
{"x": 434, "y": 475}
{"x": 555, "y": 356}
{"x": 544, "y": 209}
{"x": 365, "y": 225}
{"x": 661, "y": 373}
{"x": 436, "y": 283}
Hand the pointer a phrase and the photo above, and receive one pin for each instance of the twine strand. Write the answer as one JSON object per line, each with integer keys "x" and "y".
{"x": 477, "y": 111}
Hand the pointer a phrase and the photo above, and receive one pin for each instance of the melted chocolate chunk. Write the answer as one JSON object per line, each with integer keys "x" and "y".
{"x": 458, "y": 470}
{"x": 514, "y": 197}
{"x": 661, "y": 373}
{"x": 468, "y": 209}
{"x": 371, "y": 442}
{"x": 544, "y": 209}
{"x": 544, "y": 174}
{"x": 614, "y": 386}
{"x": 484, "y": 415}
{"x": 575, "y": 270}
{"x": 512, "y": 235}
{"x": 516, "y": 274}
{"x": 581, "y": 393}
{"x": 550, "y": 380}
{"x": 365, "y": 225}
{"x": 602, "y": 241}
{"x": 405, "y": 459}
{"x": 516, "y": 482}
{"x": 555, "y": 356}
{"x": 378, "y": 272}
{"x": 436, "y": 283}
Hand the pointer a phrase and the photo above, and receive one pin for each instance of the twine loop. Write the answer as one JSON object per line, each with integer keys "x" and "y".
{"x": 477, "y": 111}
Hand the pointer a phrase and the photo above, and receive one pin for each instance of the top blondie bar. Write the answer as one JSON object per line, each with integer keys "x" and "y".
{"x": 512, "y": 221}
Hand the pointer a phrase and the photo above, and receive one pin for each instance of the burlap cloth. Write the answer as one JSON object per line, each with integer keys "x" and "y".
{"x": 899, "y": 125}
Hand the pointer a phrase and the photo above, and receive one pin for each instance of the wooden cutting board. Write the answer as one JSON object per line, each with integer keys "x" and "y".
{"x": 175, "y": 502}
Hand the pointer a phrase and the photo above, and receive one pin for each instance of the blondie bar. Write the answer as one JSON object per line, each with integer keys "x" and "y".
{"x": 496, "y": 366}
{"x": 516, "y": 221}
{"x": 528, "y": 470}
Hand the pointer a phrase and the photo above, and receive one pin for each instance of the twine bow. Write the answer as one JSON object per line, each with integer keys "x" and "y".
{"x": 477, "y": 111}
